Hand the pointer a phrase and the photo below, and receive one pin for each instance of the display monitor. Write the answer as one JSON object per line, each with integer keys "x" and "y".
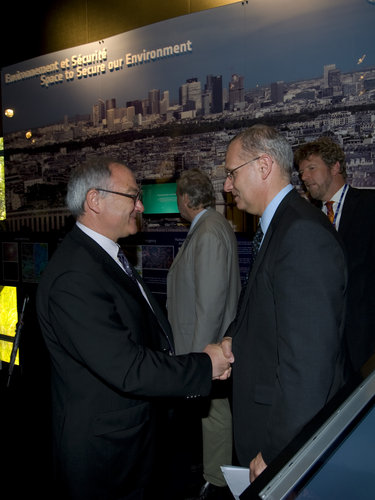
{"x": 159, "y": 198}
{"x": 337, "y": 461}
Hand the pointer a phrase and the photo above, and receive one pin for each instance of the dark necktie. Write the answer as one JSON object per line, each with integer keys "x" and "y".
{"x": 255, "y": 244}
{"x": 129, "y": 271}
{"x": 330, "y": 212}
{"x": 258, "y": 236}
{"x": 125, "y": 263}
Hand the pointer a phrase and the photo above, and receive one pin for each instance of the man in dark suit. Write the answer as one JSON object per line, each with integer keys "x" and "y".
{"x": 110, "y": 345}
{"x": 322, "y": 169}
{"x": 287, "y": 335}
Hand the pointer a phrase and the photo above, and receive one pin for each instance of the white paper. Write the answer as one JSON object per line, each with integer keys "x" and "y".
{"x": 237, "y": 478}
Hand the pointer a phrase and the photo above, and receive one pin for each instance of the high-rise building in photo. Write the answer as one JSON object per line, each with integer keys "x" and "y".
{"x": 334, "y": 80}
{"x": 326, "y": 69}
{"x": 110, "y": 104}
{"x": 277, "y": 92}
{"x": 98, "y": 112}
{"x": 190, "y": 95}
{"x": 154, "y": 102}
{"x": 137, "y": 104}
{"x": 164, "y": 103}
{"x": 215, "y": 86}
{"x": 236, "y": 92}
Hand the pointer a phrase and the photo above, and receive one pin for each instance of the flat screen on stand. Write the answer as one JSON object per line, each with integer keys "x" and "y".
{"x": 159, "y": 198}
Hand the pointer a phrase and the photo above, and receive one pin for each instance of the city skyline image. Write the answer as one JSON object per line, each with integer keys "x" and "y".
{"x": 263, "y": 41}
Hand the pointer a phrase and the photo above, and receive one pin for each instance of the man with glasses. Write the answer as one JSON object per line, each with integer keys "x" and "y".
{"x": 287, "y": 335}
{"x": 110, "y": 345}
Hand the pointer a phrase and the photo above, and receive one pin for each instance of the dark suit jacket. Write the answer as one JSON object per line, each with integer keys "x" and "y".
{"x": 109, "y": 361}
{"x": 287, "y": 336}
{"x": 357, "y": 230}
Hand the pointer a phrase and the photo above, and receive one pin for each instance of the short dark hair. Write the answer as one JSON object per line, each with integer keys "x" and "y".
{"x": 198, "y": 186}
{"x": 325, "y": 147}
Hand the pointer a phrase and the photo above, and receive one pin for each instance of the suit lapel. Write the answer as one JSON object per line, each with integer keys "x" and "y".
{"x": 348, "y": 211}
{"x": 103, "y": 258}
{"x": 262, "y": 252}
{"x": 119, "y": 275}
{"x": 246, "y": 293}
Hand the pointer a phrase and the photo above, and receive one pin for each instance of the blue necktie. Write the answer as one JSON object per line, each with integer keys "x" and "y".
{"x": 125, "y": 263}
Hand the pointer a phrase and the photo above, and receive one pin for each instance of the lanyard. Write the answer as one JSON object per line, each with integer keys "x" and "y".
{"x": 339, "y": 205}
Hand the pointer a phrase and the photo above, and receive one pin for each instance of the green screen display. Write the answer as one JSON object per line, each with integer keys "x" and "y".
{"x": 160, "y": 198}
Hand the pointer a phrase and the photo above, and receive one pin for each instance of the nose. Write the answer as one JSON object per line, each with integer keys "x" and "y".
{"x": 139, "y": 207}
{"x": 303, "y": 175}
{"x": 228, "y": 185}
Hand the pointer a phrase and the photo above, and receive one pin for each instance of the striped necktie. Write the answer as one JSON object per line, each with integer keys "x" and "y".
{"x": 129, "y": 271}
{"x": 125, "y": 263}
{"x": 330, "y": 212}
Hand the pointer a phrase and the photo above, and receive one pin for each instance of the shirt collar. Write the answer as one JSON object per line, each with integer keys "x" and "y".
{"x": 197, "y": 217}
{"x": 271, "y": 208}
{"x": 106, "y": 243}
{"x": 336, "y": 197}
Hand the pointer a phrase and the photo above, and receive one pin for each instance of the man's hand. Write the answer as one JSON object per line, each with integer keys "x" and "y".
{"x": 226, "y": 345}
{"x": 221, "y": 368}
{"x": 257, "y": 466}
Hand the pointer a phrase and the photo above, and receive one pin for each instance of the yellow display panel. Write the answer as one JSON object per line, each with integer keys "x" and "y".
{"x": 8, "y": 321}
{"x": 2, "y": 182}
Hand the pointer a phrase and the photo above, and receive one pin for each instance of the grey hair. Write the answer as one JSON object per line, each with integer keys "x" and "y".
{"x": 264, "y": 139}
{"x": 198, "y": 186}
{"x": 94, "y": 173}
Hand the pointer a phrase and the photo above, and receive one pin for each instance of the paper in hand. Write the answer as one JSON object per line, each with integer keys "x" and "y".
{"x": 237, "y": 478}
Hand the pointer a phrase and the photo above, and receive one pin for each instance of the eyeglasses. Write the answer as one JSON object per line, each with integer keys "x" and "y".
{"x": 229, "y": 173}
{"x": 135, "y": 197}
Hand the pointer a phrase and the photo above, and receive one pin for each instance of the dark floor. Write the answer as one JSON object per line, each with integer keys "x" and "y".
{"x": 25, "y": 439}
{"x": 25, "y": 443}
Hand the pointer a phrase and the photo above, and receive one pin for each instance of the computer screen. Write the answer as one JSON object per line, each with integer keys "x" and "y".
{"x": 160, "y": 198}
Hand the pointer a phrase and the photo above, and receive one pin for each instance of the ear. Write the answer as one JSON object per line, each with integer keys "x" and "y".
{"x": 265, "y": 166}
{"x": 93, "y": 201}
{"x": 186, "y": 200}
{"x": 335, "y": 169}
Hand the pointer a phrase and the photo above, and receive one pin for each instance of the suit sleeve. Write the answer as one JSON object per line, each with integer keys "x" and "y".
{"x": 100, "y": 330}
{"x": 309, "y": 287}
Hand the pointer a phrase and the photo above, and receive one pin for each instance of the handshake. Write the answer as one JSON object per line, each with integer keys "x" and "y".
{"x": 221, "y": 358}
